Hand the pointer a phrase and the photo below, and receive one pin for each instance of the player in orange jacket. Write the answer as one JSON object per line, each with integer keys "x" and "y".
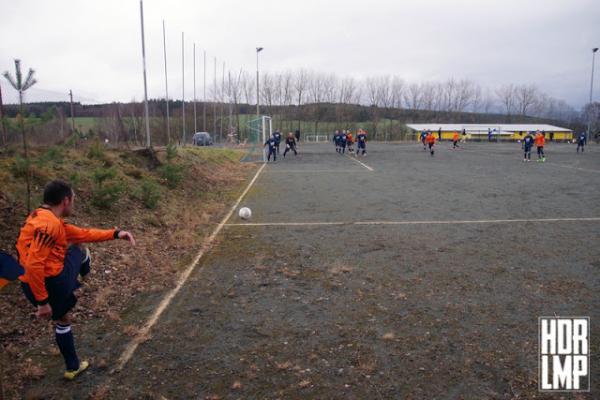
{"x": 430, "y": 140}
{"x": 52, "y": 262}
{"x": 540, "y": 141}
{"x": 455, "y": 140}
{"x": 350, "y": 142}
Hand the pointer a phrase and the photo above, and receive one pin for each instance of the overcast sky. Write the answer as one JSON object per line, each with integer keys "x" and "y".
{"x": 94, "y": 47}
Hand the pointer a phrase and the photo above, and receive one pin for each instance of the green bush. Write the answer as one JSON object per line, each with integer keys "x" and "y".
{"x": 172, "y": 174}
{"x": 106, "y": 195}
{"x": 96, "y": 150}
{"x": 54, "y": 154}
{"x": 75, "y": 179}
{"x": 101, "y": 175}
{"x": 20, "y": 167}
{"x": 149, "y": 193}
{"x": 171, "y": 152}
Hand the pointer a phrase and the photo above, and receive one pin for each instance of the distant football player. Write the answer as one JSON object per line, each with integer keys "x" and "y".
{"x": 581, "y": 142}
{"x": 361, "y": 142}
{"x": 290, "y": 144}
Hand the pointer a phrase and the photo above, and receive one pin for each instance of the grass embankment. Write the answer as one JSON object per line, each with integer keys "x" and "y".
{"x": 170, "y": 202}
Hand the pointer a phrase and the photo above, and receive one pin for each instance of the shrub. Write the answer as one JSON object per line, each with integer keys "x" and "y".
{"x": 172, "y": 174}
{"x": 75, "y": 179}
{"x": 55, "y": 154}
{"x": 96, "y": 150}
{"x": 103, "y": 174}
{"x": 149, "y": 193}
{"x": 20, "y": 167}
{"x": 106, "y": 195}
{"x": 171, "y": 152}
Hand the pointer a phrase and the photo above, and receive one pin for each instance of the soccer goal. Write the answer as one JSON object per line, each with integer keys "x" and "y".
{"x": 315, "y": 138}
{"x": 259, "y": 129}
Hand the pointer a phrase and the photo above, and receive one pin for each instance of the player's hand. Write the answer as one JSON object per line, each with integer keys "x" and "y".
{"x": 124, "y": 235}
{"x": 44, "y": 312}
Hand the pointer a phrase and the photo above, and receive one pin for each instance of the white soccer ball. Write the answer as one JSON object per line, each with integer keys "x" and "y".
{"x": 519, "y": 141}
{"x": 245, "y": 213}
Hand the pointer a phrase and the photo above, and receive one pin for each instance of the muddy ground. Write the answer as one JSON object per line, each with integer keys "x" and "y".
{"x": 417, "y": 311}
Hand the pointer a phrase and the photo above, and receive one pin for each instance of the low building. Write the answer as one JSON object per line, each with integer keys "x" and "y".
{"x": 495, "y": 132}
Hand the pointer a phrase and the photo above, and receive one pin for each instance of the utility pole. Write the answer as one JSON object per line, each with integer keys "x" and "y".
{"x": 222, "y": 99}
{"x": 258, "y": 50}
{"x": 148, "y": 142}
{"x": 166, "y": 84}
{"x": 215, "y": 100}
{"x": 72, "y": 112}
{"x": 195, "y": 120}
{"x": 182, "y": 93}
{"x": 4, "y": 136}
{"x": 204, "y": 96}
{"x": 589, "y": 129}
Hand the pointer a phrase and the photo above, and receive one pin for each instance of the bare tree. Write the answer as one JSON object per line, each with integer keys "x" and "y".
{"x": 506, "y": 96}
{"x": 525, "y": 98}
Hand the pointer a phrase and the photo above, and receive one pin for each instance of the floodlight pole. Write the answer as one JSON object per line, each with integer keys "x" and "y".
{"x": 195, "y": 124}
{"x": 182, "y": 92}
{"x": 148, "y": 142}
{"x": 589, "y": 129}
{"x": 204, "y": 96}
{"x": 166, "y": 84}
{"x": 258, "y": 50}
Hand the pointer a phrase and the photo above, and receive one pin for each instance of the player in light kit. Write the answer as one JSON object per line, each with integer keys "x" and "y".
{"x": 527, "y": 145}
{"x": 540, "y": 140}
{"x": 581, "y": 141}
{"x": 350, "y": 142}
{"x": 455, "y": 140}
{"x": 277, "y": 137}
{"x": 272, "y": 148}
{"x": 290, "y": 144}
{"x": 361, "y": 142}
{"x": 430, "y": 140}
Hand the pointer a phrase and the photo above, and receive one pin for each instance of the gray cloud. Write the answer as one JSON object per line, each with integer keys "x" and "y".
{"x": 94, "y": 47}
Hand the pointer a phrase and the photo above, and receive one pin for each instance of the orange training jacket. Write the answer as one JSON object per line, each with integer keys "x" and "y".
{"x": 42, "y": 245}
{"x": 430, "y": 139}
{"x": 455, "y": 136}
{"x": 540, "y": 140}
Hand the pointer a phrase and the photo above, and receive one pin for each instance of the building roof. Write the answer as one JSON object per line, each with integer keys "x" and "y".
{"x": 500, "y": 128}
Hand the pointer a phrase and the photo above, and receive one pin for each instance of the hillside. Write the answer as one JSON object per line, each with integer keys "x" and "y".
{"x": 169, "y": 203}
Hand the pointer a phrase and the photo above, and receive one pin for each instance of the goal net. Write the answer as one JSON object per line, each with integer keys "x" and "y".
{"x": 259, "y": 129}
{"x": 316, "y": 138}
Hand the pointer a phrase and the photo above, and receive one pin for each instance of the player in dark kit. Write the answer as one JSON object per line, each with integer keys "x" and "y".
{"x": 290, "y": 144}
{"x": 423, "y": 136}
{"x": 53, "y": 262}
{"x": 361, "y": 142}
{"x": 343, "y": 141}
{"x": 527, "y": 145}
{"x": 336, "y": 141}
{"x": 272, "y": 148}
{"x": 581, "y": 141}
{"x": 277, "y": 137}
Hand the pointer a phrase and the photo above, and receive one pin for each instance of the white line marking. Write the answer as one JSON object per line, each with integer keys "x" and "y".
{"x": 143, "y": 332}
{"x": 310, "y": 170}
{"x": 361, "y": 163}
{"x": 449, "y": 222}
{"x": 571, "y": 167}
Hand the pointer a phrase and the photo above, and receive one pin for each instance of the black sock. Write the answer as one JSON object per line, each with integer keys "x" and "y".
{"x": 66, "y": 345}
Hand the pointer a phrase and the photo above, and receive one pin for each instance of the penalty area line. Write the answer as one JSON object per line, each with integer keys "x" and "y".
{"x": 164, "y": 303}
{"x": 442, "y": 222}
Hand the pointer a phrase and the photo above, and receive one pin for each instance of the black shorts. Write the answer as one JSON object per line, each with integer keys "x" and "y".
{"x": 10, "y": 269}
{"x": 61, "y": 287}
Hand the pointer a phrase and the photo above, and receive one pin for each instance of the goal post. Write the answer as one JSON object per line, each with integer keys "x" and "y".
{"x": 316, "y": 138}
{"x": 259, "y": 129}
